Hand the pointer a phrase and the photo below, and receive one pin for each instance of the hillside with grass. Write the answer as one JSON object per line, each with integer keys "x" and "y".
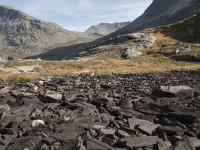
{"x": 186, "y": 30}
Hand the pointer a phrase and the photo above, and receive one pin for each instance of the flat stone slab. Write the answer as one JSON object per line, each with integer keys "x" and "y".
{"x": 140, "y": 142}
{"x": 94, "y": 144}
{"x": 171, "y": 130}
{"x": 145, "y": 126}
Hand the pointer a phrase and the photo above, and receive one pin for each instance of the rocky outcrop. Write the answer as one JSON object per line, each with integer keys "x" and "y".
{"x": 102, "y": 112}
{"x": 103, "y": 29}
{"x": 23, "y": 35}
{"x": 130, "y": 53}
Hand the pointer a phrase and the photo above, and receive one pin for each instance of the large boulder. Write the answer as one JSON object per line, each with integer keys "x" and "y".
{"x": 173, "y": 91}
{"x": 130, "y": 53}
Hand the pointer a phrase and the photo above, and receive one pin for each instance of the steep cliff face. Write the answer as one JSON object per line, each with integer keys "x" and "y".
{"x": 161, "y": 12}
{"x": 103, "y": 29}
{"x": 21, "y": 33}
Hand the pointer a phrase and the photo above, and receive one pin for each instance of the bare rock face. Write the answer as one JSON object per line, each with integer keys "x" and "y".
{"x": 25, "y": 34}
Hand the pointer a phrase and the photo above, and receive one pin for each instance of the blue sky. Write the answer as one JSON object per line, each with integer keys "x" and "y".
{"x": 78, "y": 15}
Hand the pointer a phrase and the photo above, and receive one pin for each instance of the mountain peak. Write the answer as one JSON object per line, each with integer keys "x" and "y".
{"x": 9, "y": 13}
{"x": 103, "y": 29}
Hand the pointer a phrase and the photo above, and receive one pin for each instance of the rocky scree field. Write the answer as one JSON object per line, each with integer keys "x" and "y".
{"x": 132, "y": 111}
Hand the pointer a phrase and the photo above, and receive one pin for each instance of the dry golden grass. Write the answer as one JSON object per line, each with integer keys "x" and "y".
{"x": 145, "y": 63}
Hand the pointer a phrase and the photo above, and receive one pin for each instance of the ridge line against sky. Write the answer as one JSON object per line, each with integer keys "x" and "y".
{"x": 79, "y": 15}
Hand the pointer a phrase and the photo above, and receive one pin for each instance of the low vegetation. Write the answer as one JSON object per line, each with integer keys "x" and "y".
{"x": 186, "y": 30}
{"x": 149, "y": 62}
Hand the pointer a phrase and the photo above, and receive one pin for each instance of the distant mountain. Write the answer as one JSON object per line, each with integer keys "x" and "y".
{"x": 103, "y": 29}
{"x": 21, "y": 34}
{"x": 160, "y": 12}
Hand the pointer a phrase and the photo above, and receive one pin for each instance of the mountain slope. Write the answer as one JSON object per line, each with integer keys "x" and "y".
{"x": 186, "y": 31}
{"x": 160, "y": 12}
{"x": 103, "y": 29}
{"x": 21, "y": 33}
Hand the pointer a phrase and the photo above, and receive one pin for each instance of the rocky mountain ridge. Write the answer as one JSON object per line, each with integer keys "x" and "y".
{"x": 103, "y": 29}
{"x": 25, "y": 35}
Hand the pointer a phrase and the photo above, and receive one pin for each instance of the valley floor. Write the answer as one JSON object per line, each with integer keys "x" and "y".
{"x": 142, "y": 64}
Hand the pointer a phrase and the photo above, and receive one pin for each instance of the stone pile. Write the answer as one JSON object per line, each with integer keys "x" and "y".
{"x": 99, "y": 112}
